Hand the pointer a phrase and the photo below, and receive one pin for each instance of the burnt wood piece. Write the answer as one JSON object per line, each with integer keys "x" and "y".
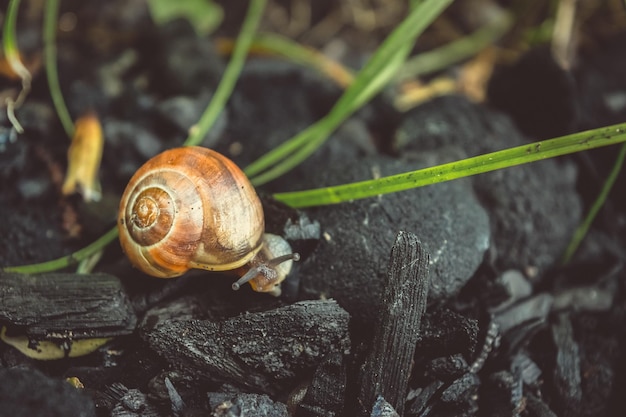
{"x": 62, "y": 304}
{"x": 325, "y": 396}
{"x": 387, "y": 368}
{"x": 261, "y": 351}
{"x": 244, "y": 405}
{"x": 536, "y": 407}
{"x": 382, "y": 408}
{"x": 566, "y": 374}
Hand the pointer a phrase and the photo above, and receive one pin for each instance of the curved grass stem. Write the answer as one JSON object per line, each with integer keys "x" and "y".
{"x": 12, "y": 56}
{"x": 231, "y": 75}
{"x": 582, "y": 230}
{"x": 50, "y": 52}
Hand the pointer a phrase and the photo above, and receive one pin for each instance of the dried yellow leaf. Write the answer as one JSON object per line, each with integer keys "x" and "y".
{"x": 84, "y": 156}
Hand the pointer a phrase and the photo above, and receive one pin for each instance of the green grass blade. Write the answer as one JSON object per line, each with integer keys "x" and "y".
{"x": 231, "y": 75}
{"x": 69, "y": 260}
{"x": 582, "y": 230}
{"x": 476, "y": 165}
{"x": 51, "y": 18}
{"x": 456, "y": 51}
{"x": 370, "y": 80}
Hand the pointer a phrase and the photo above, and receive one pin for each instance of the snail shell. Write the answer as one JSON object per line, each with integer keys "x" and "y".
{"x": 190, "y": 208}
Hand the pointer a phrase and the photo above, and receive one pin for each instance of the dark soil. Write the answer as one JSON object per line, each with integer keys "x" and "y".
{"x": 493, "y": 323}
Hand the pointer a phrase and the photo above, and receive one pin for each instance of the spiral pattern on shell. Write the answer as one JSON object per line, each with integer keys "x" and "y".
{"x": 189, "y": 208}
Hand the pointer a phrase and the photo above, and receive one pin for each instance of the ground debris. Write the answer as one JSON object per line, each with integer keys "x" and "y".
{"x": 242, "y": 405}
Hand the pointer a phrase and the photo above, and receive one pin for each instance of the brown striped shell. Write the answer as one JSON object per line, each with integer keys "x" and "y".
{"x": 188, "y": 208}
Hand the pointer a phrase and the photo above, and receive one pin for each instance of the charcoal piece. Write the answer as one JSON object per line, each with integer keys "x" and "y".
{"x": 538, "y": 93}
{"x": 382, "y": 408}
{"x": 349, "y": 264}
{"x": 261, "y": 351}
{"x": 533, "y": 209}
{"x": 517, "y": 287}
{"x": 134, "y": 403}
{"x": 501, "y": 394}
{"x": 243, "y": 405}
{"x": 460, "y": 398}
{"x": 529, "y": 371}
{"x": 178, "y": 404}
{"x": 422, "y": 401}
{"x": 387, "y": 368}
{"x": 456, "y": 399}
{"x": 588, "y": 298}
{"x": 325, "y": 396}
{"x": 27, "y": 393}
{"x": 534, "y": 308}
{"x": 461, "y": 390}
{"x": 536, "y": 407}
{"x": 183, "y": 63}
{"x": 61, "y": 305}
{"x": 566, "y": 374}
{"x": 445, "y": 332}
{"x": 447, "y": 368}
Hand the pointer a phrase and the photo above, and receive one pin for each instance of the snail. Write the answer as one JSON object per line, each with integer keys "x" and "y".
{"x": 192, "y": 207}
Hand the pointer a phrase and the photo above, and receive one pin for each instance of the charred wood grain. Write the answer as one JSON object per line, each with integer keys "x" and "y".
{"x": 566, "y": 374}
{"x": 244, "y": 405}
{"x": 261, "y": 351}
{"x": 325, "y": 396}
{"x": 90, "y": 305}
{"x": 387, "y": 368}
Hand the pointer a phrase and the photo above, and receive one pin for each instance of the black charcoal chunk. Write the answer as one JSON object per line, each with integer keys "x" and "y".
{"x": 243, "y": 405}
{"x": 60, "y": 305}
{"x": 382, "y": 408}
{"x": 538, "y": 93}
{"x": 262, "y": 351}
{"x": 445, "y": 332}
{"x": 184, "y": 63}
{"x": 349, "y": 264}
{"x": 447, "y": 368}
{"x": 134, "y": 403}
{"x": 533, "y": 209}
{"x": 591, "y": 298}
{"x": 536, "y": 407}
{"x": 566, "y": 374}
{"x": 176, "y": 400}
{"x": 502, "y": 394}
{"x": 534, "y": 308}
{"x": 325, "y": 395}
{"x": 421, "y": 399}
{"x": 460, "y": 398}
{"x": 387, "y": 368}
{"x": 528, "y": 369}
{"x": 517, "y": 287}
{"x": 27, "y": 393}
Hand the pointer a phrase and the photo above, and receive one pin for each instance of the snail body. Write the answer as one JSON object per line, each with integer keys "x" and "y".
{"x": 192, "y": 207}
